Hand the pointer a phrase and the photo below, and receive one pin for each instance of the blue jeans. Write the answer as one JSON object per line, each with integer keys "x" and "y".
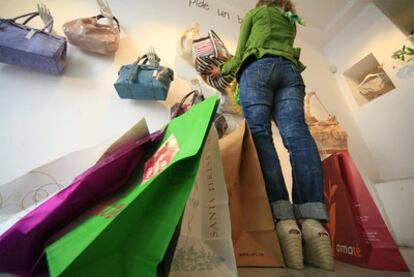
{"x": 273, "y": 88}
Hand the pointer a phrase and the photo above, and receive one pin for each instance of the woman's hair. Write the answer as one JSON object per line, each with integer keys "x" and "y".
{"x": 285, "y": 5}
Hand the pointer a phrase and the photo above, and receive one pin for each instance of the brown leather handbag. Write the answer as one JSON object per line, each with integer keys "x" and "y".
{"x": 329, "y": 136}
{"x": 92, "y": 36}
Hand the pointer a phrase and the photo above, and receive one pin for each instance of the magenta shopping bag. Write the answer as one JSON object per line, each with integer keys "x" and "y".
{"x": 21, "y": 246}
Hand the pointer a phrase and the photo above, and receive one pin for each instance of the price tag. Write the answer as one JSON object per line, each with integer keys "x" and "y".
{"x": 30, "y": 34}
{"x": 155, "y": 73}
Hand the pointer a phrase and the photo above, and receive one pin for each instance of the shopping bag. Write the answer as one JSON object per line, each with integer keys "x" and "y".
{"x": 128, "y": 234}
{"x": 328, "y": 134}
{"x": 21, "y": 246}
{"x": 253, "y": 231}
{"x": 22, "y": 195}
{"x": 25, "y": 46}
{"x": 204, "y": 245}
{"x": 358, "y": 232}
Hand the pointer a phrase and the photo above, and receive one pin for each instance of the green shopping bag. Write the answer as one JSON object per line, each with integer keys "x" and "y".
{"x": 128, "y": 234}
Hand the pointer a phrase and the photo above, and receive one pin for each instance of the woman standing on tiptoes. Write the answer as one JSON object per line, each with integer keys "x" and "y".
{"x": 271, "y": 86}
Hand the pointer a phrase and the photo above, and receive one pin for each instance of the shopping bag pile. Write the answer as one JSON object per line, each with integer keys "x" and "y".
{"x": 161, "y": 204}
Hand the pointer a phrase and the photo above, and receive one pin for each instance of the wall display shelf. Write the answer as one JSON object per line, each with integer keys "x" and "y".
{"x": 367, "y": 80}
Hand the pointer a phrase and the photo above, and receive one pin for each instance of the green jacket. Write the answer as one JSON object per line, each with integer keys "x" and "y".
{"x": 265, "y": 30}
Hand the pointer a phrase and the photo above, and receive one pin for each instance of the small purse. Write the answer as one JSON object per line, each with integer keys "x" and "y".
{"x": 329, "y": 136}
{"x": 32, "y": 48}
{"x": 144, "y": 81}
{"x": 92, "y": 36}
{"x": 185, "y": 43}
{"x": 210, "y": 51}
{"x": 373, "y": 84}
{"x": 179, "y": 108}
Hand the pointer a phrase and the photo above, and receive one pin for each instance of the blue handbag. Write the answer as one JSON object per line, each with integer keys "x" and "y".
{"x": 144, "y": 81}
{"x": 28, "y": 47}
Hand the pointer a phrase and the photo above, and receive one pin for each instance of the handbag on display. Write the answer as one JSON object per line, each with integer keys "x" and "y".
{"x": 373, "y": 84}
{"x": 92, "y": 36}
{"x": 328, "y": 134}
{"x": 143, "y": 80}
{"x": 129, "y": 234}
{"x": 358, "y": 233}
{"x": 210, "y": 51}
{"x": 194, "y": 97}
{"x": 220, "y": 123}
{"x": 28, "y": 47}
{"x": 253, "y": 230}
{"x": 185, "y": 43}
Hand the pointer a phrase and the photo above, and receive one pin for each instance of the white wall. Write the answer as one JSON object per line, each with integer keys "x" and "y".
{"x": 396, "y": 198}
{"x": 386, "y": 122}
{"x": 43, "y": 117}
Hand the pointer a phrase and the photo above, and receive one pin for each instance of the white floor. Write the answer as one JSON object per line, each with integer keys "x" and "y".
{"x": 341, "y": 269}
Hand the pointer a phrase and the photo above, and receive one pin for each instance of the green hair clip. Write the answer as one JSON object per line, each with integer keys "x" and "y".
{"x": 295, "y": 18}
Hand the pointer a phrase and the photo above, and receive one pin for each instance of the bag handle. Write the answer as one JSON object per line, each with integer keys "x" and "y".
{"x": 380, "y": 74}
{"x": 308, "y": 112}
{"x": 140, "y": 61}
{"x": 47, "y": 28}
{"x": 214, "y": 37}
{"x": 180, "y": 105}
{"x": 29, "y": 15}
{"x": 196, "y": 31}
{"x": 100, "y": 16}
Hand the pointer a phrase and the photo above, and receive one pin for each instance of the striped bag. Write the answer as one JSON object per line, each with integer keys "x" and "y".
{"x": 210, "y": 51}
{"x": 204, "y": 66}
{"x": 210, "y": 45}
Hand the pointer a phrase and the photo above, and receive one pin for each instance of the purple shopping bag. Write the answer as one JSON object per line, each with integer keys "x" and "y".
{"x": 21, "y": 246}
{"x": 29, "y": 47}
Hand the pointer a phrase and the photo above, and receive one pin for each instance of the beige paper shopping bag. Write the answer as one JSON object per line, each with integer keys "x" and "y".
{"x": 205, "y": 247}
{"x": 253, "y": 231}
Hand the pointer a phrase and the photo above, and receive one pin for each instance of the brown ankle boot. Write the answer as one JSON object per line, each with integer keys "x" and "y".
{"x": 290, "y": 239}
{"x": 317, "y": 245}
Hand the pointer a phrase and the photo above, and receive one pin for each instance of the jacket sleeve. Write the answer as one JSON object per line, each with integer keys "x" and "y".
{"x": 234, "y": 63}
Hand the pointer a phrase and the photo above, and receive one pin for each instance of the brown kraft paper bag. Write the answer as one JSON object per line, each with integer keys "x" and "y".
{"x": 253, "y": 231}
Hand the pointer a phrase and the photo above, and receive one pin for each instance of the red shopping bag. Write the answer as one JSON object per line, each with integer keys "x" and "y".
{"x": 358, "y": 232}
